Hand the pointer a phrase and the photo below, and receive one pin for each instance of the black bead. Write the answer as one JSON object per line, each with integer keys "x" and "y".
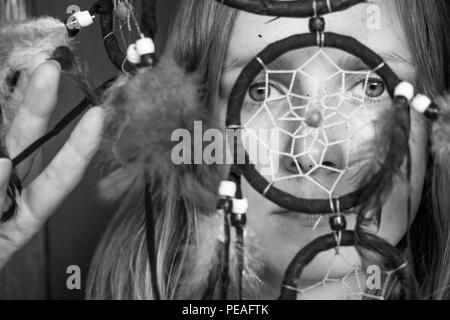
{"x": 73, "y": 31}
{"x": 317, "y": 24}
{"x": 225, "y": 205}
{"x": 148, "y": 60}
{"x": 238, "y": 220}
{"x": 400, "y": 102}
{"x": 338, "y": 223}
{"x": 432, "y": 112}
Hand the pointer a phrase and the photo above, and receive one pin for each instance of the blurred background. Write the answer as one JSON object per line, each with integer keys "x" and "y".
{"x": 39, "y": 271}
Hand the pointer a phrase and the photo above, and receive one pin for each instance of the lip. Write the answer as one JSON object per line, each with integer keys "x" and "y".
{"x": 315, "y": 221}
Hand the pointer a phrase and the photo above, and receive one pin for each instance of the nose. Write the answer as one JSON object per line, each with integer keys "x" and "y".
{"x": 315, "y": 148}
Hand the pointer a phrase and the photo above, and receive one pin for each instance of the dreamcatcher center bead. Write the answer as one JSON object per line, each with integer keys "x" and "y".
{"x": 314, "y": 118}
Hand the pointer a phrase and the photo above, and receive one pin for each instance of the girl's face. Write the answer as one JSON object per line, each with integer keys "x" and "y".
{"x": 280, "y": 236}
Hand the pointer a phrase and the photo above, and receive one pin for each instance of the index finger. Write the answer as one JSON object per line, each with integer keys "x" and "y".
{"x": 33, "y": 116}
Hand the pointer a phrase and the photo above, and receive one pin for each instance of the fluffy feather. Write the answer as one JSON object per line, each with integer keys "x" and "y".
{"x": 391, "y": 151}
{"x": 143, "y": 112}
{"x": 24, "y": 46}
{"x": 441, "y": 134}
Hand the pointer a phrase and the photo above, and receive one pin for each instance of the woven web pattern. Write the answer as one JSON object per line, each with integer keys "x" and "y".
{"x": 353, "y": 285}
{"x": 319, "y": 130}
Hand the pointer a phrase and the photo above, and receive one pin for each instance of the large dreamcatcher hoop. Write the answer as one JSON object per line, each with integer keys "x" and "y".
{"x": 238, "y": 94}
{"x": 233, "y": 206}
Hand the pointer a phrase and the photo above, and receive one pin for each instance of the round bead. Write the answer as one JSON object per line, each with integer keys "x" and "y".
{"x": 421, "y": 103}
{"x": 148, "y": 60}
{"x": 317, "y": 24}
{"x": 238, "y": 220}
{"x": 145, "y": 46}
{"x": 122, "y": 11}
{"x": 314, "y": 118}
{"x": 227, "y": 189}
{"x": 240, "y": 206}
{"x": 133, "y": 55}
{"x": 72, "y": 26}
{"x": 404, "y": 89}
{"x": 432, "y": 112}
{"x": 84, "y": 18}
{"x": 338, "y": 223}
{"x": 225, "y": 205}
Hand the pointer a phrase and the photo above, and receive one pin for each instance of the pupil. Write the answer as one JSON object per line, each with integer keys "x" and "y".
{"x": 375, "y": 88}
{"x": 258, "y": 92}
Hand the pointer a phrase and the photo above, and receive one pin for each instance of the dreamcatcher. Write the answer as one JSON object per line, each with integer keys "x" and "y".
{"x": 307, "y": 121}
{"x": 303, "y": 120}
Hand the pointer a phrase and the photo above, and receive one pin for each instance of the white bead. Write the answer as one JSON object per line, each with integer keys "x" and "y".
{"x": 404, "y": 89}
{"x": 421, "y": 103}
{"x": 145, "y": 46}
{"x": 133, "y": 55}
{"x": 84, "y": 18}
{"x": 227, "y": 189}
{"x": 240, "y": 206}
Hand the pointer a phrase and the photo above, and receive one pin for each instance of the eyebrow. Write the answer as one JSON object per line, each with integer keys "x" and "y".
{"x": 346, "y": 62}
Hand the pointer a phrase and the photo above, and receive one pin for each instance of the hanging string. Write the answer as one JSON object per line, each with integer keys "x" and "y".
{"x": 151, "y": 239}
{"x": 225, "y": 277}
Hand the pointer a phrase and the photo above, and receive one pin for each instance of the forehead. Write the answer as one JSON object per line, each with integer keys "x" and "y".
{"x": 375, "y": 24}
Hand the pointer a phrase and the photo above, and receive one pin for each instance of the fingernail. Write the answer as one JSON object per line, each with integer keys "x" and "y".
{"x": 65, "y": 57}
{"x": 5, "y": 170}
{"x": 56, "y": 63}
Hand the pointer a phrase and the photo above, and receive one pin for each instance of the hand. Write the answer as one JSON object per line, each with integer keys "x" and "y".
{"x": 40, "y": 199}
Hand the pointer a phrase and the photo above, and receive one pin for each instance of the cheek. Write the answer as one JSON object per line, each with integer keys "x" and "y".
{"x": 395, "y": 211}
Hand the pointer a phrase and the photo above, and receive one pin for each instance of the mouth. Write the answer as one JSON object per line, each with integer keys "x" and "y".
{"x": 313, "y": 221}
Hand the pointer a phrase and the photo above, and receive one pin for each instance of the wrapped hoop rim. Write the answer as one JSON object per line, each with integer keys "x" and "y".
{"x": 307, "y": 255}
{"x": 292, "y": 9}
{"x": 238, "y": 94}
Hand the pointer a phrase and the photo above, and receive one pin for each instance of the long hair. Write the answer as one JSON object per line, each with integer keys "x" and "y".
{"x": 426, "y": 24}
{"x": 185, "y": 239}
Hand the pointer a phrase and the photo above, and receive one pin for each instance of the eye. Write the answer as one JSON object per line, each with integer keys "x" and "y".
{"x": 375, "y": 88}
{"x": 259, "y": 91}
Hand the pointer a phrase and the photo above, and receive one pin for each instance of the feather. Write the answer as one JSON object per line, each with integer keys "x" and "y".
{"x": 142, "y": 113}
{"x": 24, "y": 46}
{"x": 391, "y": 150}
{"x": 392, "y": 157}
{"x": 441, "y": 134}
